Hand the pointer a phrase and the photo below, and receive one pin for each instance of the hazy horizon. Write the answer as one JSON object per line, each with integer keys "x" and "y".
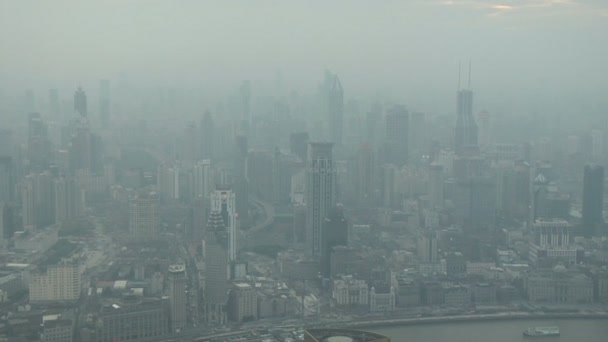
{"x": 408, "y": 51}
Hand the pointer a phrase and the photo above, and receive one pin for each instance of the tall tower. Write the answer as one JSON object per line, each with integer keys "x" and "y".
{"x": 202, "y": 178}
{"x": 593, "y": 200}
{"x": 80, "y": 102}
{"x": 334, "y": 97}
{"x": 224, "y": 202}
{"x": 144, "y": 216}
{"x": 397, "y": 122}
{"x": 216, "y": 269}
{"x": 177, "y": 296}
{"x": 465, "y": 138}
{"x": 320, "y": 191}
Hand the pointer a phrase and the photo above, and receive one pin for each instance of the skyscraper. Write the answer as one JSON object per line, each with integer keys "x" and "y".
{"x": 465, "y": 138}
{"x": 216, "y": 269}
{"x": 202, "y": 178}
{"x": 593, "y": 200}
{"x": 177, "y": 296}
{"x": 397, "y": 132}
{"x": 334, "y": 102}
{"x": 69, "y": 200}
{"x": 144, "y": 216}
{"x": 80, "y": 102}
{"x": 320, "y": 192}
{"x": 223, "y": 200}
{"x": 104, "y": 103}
{"x": 335, "y": 233}
{"x": 38, "y": 142}
{"x": 54, "y": 106}
{"x": 207, "y": 132}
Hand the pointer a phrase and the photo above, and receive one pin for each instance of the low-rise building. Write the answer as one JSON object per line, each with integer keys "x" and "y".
{"x": 559, "y": 286}
{"x": 456, "y": 295}
{"x": 382, "y": 298}
{"x": 347, "y": 290}
{"x": 243, "y": 303}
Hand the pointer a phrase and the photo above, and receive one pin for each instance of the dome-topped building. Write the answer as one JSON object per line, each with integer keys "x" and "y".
{"x": 342, "y": 335}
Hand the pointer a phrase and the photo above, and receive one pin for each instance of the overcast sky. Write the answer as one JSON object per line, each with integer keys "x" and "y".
{"x": 521, "y": 50}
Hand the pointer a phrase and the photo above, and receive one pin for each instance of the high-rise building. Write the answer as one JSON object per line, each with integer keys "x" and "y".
{"x": 427, "y": 248}
{"x": 58, "y": 283}
{"x": 466, "y": 134}
{"x": 243, "y": 302}
{"x": 364, "y": 174}
{"x": 216, "y": 269}
{"x": 320, "y": 192}
{"x": 298, "y": 144}
{"x": 104, "y": 102}
{"x": 7, "y": 181}
{"x": 80, "y": 102}
{"x": 436, "y": 191}
{"x": 133, "y": 319}
{"x": 144, "y": 216}
{"x": 168, "y": 181}
{"x": 593, "y": 200}
{"x": 38, "y": 142}
{"x": 223, "y": 200}
{"x": 69, "y": 199}
{"x": 396, "y": 144}
{"x": 335, "y": 233}
{"x": 178, "y": 299}
{"x": 334, "y": 102}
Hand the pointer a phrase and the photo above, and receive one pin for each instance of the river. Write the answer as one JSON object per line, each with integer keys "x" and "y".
{"x": 571, "y": 330}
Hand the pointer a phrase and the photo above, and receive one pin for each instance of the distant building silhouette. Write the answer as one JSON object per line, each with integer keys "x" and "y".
{"x": 320, "y": 192}
{"x": 80, "y": 102}
{"x": 593, "y": 200}
{"x": 334, "y": 101}
{"x": 466, "y": 135}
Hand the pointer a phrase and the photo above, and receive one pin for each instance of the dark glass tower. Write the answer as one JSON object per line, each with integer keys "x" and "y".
{"x": 593, "y": 200}
{"x": 466, "y": 128}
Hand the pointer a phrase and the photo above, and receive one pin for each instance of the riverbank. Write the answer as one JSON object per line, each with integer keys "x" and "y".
{"x": 391, "y": 322}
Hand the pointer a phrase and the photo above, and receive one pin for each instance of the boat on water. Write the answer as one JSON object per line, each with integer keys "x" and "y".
{"x": 541, "y": 331}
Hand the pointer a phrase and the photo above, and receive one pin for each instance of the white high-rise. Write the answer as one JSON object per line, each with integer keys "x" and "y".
{"x": 202, "y": 178}
{"x": 178, "y": 299}
{"x": 224, "y": 202}
{"x": 59, "y": 283}
{"x": 320, "y": 191}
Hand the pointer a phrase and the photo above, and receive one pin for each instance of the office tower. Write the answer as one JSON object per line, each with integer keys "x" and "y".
{"x": 475, "y": 202}
{"x": 364, "y": 174}
{"x": 80, "y": 102}
{"x": 207, "y": 137}
{"x": 298, "y": 144}
{"x": 168, "y": 181}
{"x": 202, "y": 178}
{"x": 54, "y": 106}
{"x": 320, "y": 192}
{"x": 38, "y": 142}
{"x": 397, "y": 131}
{"x": 465, "y": 138}
{"x": 44, "y": 199}
{"x": 7, "y": 181}
{"x": 593, "y": 200}
{"x": 69, "y": 199}
{"x": 28, "y": 218}
{"x": 7, "y": 223}
{"x": 80, "y": 148}
{"x": 178, "y": 299}
{"x": 243, "y": 302}
{"x": 417, "y": 135}
{"x": 436, "y": 191}
{"x": 223, "y": 200}
{"x": 144, "y": 216}
{"x": 104, "y": 103}
{"x": 216, "y": 269}
{"x": 335, "y": 233}
{"x": 388, "y": 173}
{"x": 59, "y": 283}
{"x": 427, "y": 248}
{"x": 260, "y": 173}
{"x": 199, "y": 213}
{"x": 334, "y": 105}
